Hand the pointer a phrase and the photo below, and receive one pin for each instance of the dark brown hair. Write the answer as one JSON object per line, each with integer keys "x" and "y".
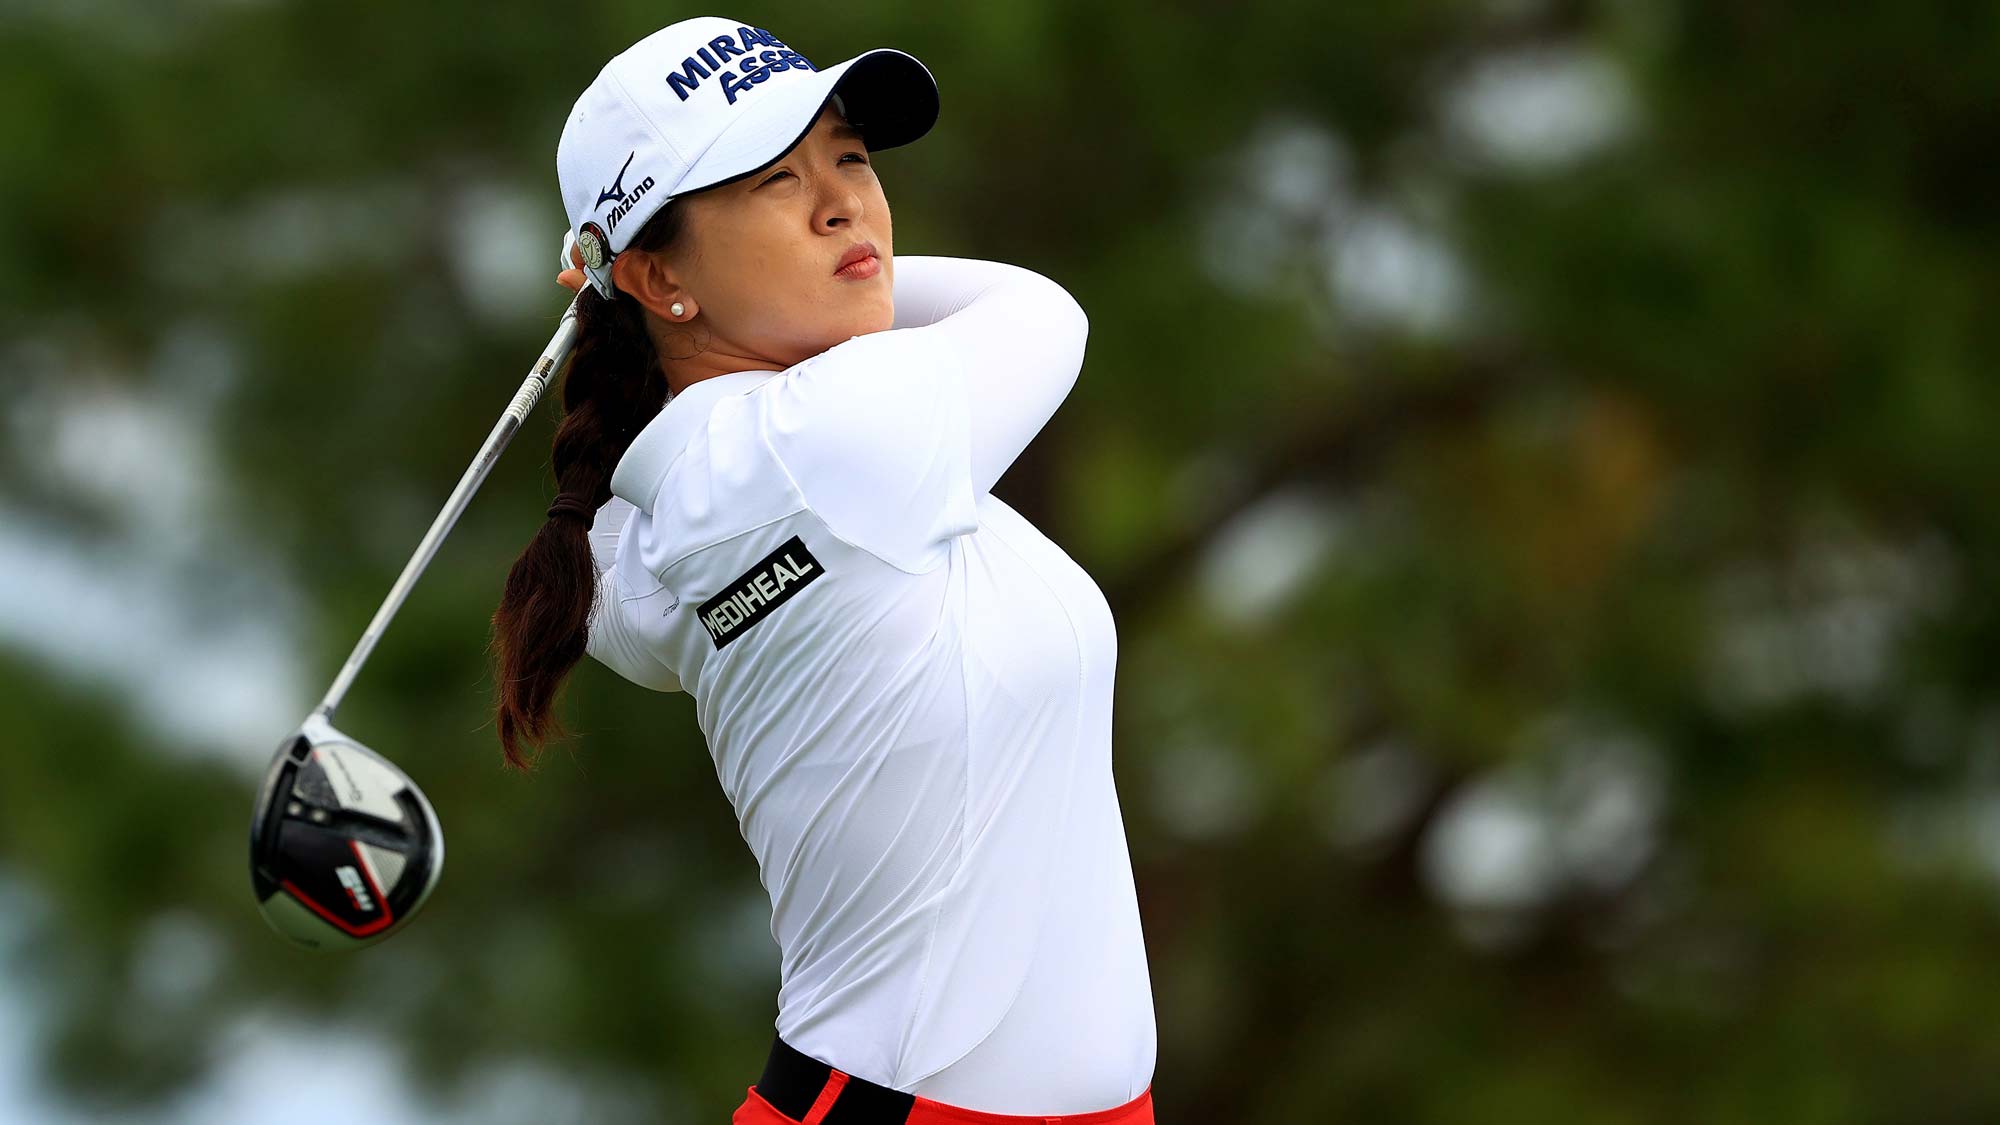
{"x": 612, "y": 386}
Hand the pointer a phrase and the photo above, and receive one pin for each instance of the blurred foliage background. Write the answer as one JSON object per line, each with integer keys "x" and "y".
{"x": 1540, "y": 455}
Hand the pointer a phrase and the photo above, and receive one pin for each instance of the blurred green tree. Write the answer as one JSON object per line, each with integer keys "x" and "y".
{"x": 1537, "y": 453}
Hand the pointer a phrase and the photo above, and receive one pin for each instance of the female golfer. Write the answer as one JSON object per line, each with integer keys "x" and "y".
{"x": 786, "y": 436}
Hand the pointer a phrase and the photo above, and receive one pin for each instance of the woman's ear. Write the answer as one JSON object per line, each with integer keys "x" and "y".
{"x": 645, "y": 277}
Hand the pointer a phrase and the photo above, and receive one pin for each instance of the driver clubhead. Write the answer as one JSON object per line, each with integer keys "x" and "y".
{"x": 344, "y": 848}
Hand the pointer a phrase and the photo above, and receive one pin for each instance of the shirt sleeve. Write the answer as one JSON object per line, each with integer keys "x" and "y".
{"x": 1018, "y": 340}
{"x": 611, "y": 640}
{"x": 891, "y": 436}
{"x": 605, "y": 528}
{"x": 614, "y": 643}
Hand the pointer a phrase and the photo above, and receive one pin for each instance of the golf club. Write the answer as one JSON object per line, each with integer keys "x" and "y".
{"x": 344, "y": 847}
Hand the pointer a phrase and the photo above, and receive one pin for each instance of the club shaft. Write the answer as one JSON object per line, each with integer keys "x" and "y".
{"x": 517, "y": 412}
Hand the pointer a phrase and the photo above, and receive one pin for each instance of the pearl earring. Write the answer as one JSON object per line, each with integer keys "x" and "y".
{"x": 678, "y": 309}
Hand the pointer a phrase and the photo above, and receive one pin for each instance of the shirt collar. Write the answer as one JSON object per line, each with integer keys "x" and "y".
{"x": 637, "y": 477}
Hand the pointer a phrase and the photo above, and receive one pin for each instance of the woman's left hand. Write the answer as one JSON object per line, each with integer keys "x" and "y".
{"x": 572, "y": 279}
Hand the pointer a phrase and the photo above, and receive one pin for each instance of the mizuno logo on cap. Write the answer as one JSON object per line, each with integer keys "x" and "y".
{"x": 617, "y": 188}
{"x": 758, "y": 591}
{"x": 625, "y": 201}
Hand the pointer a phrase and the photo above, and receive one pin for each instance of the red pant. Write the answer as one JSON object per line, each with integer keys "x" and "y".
{"x": 756, "y": 1111}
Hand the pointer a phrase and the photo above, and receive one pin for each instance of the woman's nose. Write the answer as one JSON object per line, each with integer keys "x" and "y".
{"x": 843, "y": 205}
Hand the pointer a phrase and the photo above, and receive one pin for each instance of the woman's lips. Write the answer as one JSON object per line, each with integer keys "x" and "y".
{"x": 862, "y": 270}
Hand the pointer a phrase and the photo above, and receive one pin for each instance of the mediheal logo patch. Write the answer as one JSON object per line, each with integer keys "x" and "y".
{"x": 761, "y": 589}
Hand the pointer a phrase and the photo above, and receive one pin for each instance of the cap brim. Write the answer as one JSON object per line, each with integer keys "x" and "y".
{"x": 889, "y": 96}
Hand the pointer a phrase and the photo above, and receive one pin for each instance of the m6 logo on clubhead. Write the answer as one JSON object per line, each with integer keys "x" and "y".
{"x": 344, "y": 847}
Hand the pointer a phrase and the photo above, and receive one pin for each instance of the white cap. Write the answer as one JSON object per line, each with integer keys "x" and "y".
{"x": 706, "y": 101}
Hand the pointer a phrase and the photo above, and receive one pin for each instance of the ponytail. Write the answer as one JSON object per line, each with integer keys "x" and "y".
{"x": 612, "y": 386}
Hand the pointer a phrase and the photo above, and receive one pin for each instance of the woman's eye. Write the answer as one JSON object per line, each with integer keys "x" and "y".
{"x": 776, "y": 174}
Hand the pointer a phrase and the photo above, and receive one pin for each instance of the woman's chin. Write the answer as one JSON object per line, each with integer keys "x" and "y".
{"x": 879, "y": 319}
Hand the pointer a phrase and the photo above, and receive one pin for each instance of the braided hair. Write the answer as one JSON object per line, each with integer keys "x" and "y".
{"x": 612, "y": 386}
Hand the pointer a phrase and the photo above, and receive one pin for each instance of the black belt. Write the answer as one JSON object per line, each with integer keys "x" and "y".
{"x": 793, "y": 1080}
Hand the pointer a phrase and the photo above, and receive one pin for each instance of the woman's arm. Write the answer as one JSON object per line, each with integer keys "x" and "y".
{"x": 611, "y": 639}
{"x": 605, "y": 528}
{"x": 892, "y": 436}
{"x": 1018, "y": 337}
{"x": 613, "y": 642}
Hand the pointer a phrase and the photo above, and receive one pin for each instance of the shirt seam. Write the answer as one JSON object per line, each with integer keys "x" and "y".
{"x": 937, "y": 913}
{"x": 1069, "y": 793}
{"x": 807, "y": 504}
{"x": 713, "y": 543}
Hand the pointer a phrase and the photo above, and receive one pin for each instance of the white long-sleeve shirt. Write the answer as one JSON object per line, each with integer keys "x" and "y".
{"x": 906, "y": 689}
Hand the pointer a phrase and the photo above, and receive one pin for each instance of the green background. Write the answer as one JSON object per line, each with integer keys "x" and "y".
{"x": 1540, "y": 456}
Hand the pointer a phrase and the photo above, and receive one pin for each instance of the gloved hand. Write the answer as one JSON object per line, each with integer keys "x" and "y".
{"x": 571, "y": 260}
